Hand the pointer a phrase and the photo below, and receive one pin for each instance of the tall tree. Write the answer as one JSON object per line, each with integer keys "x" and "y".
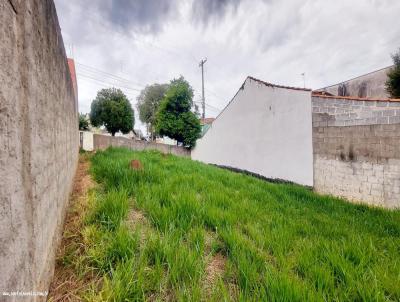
{"x": 83, "y": 122}
{"x": 112, "y": 109}
{"x": 148, "y": 102}
{"x": 175, "y": 118}
{"x": 393, "y": 81}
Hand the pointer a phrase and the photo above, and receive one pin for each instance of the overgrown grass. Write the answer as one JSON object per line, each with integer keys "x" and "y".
{"x": 281, "y": 242}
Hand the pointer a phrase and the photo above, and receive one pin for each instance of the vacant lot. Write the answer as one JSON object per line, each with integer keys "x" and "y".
{"x": 180, "y": 230}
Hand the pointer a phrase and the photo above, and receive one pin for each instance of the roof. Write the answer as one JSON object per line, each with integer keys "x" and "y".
{"x": 318, "y": 92}
{"x": 261, "y": 82}
{"x": 206, "y": 121}
{"x": 277, "y": 86}
{"x": 352, "y": 98}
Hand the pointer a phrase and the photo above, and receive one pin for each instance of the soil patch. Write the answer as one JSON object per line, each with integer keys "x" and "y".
{"x": 66, "y": 285}
{"x": 214, "y": 270}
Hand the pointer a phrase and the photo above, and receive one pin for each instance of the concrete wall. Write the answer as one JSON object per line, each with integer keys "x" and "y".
{"x": 101, "y": 142}
{"x": 357, "y": 149}
{"x": 370, "y": 85}
{"x": 266, "y": 130}
{"x": 339, "y": 111}
{"x": 38, "y": 143}
{"x": 86, "y": 140}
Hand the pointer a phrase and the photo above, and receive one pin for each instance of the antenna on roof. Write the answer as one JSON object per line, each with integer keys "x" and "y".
{"x": 304, "y": 79}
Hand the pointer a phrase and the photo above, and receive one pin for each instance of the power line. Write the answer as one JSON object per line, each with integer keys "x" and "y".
{"x": 106, "y": 85}
{"x": 208, "y": 105}
{"x": 112, "y": 84}
{"x": 119, "y": 78}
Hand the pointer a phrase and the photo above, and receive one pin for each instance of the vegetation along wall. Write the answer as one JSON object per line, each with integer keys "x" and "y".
{"x": 38, "y": 143}
{"x": 356, "y": 146}
{"x": 101, "y": 142}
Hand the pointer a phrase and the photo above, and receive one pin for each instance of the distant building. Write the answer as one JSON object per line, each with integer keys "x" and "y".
{"x": 166, "y": 141}
{"x": 205, "y": 124}
{"x": 370, "y": 85}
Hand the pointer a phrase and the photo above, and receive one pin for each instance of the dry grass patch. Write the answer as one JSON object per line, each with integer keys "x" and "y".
{"x": 66, "y": 283}
{"x": 214, "y": 270}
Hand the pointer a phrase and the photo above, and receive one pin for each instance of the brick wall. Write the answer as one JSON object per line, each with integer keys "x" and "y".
{"x": 357, "y": 149}
{"x": 38, "y": 143}
{"x": 101, "y": 142}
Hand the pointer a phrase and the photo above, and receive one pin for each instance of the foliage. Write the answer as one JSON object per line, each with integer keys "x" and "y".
{"x": 148, "y": 103}
{"x": 175, "y": 118}
{"x": 281, "y": 242}
{"x": 393, "y": 82}
{"x": 112, "y": 109}
{"x": 83, "y": 122}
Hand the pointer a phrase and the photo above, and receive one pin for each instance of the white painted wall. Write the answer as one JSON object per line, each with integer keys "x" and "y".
{"x": 86, "y": 140}
{"x": 265, "y": 130}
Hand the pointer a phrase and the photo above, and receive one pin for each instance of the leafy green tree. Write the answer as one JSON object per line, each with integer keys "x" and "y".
{"x": 393, "y": 81}
{"x": 112, "y": 109}
{"x": 175, "y": 118}
{"x": 83, "y": 122}
{"x": 148, "y": 102}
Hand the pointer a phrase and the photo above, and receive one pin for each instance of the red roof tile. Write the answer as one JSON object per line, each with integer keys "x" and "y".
{"x": 277, "y": 86}
{"x": 353, "y": 98}
{"x": 71, "y": 65}
{"x": 206, "y": 121}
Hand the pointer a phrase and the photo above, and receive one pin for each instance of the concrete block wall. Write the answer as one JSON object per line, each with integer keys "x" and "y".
{"x": 356, "y": 147}
{"x": 339, "y": 111}
{"x": 101, "y": 142}
{"x": 38, "y": 144}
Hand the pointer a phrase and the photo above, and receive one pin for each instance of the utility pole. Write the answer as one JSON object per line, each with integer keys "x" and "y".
{"x": 203, "y": 101}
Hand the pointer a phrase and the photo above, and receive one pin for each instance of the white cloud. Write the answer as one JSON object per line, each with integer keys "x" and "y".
{"x": 273, "y": 40}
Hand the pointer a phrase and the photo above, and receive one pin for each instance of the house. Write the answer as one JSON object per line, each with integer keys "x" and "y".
{"x": 347, "y": 146}
{"x": 370, "y": 85}
{"x": 272, "y": 133}
{"x": 205, "y": 124}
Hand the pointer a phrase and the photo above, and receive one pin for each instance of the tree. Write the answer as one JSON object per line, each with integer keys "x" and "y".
{"x": 175, "y": 118}
{"x": 112, "y": 109}
{"x": 148, "y": 102}
{"x": 393, "y": 81}
{"x": 83, "y": 122}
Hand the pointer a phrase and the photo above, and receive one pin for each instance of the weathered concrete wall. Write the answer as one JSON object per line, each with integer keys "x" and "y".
{"x": 266, "y": 129}
{"x": 357, "y": 149}
{"x": 38, "y": 143}
{"x": 370, "y": 85}
{"x": 101, "y": 142}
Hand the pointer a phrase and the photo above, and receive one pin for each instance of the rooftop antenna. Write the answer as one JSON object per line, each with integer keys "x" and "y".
{"x": 304, "y": 79}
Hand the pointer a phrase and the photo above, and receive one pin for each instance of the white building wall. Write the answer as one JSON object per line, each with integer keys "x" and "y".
{"x": 265, "y": 130}
{"x": 86, "y": 140}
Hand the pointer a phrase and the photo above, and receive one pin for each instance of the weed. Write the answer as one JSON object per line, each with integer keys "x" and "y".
{"x": 278, "y": 242}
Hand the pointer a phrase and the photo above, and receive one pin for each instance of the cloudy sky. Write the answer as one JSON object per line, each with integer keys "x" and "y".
{"x": 132, "y": 43}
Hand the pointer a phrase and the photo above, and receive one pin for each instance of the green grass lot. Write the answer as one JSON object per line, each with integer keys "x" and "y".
{"x": 277, "y": 242}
